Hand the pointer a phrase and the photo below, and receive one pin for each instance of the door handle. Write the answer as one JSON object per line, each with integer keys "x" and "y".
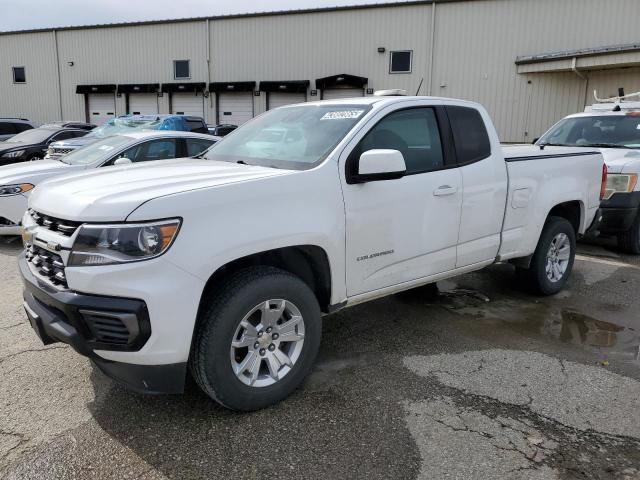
{"x": 443, "y": 190}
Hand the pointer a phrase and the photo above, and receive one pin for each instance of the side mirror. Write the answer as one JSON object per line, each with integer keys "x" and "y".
{"x": 122, "y": 161}
{"x": 535, "y": 140}
{"x": 379, "y": 164}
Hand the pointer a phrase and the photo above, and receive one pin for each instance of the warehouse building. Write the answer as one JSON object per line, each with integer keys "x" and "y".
{"x": 530, "y": 62}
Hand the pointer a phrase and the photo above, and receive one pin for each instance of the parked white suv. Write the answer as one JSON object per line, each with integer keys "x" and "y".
{"x": 18, "y": 180}
{"x": 224, "y": 265}
{"x": 613, "y": 129}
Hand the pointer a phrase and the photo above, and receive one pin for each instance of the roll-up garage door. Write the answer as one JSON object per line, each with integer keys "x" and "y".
{"x": 235, "y": 107}
{"x": 102, "y": 107}
{"x": 337, "y": 93}
{"x": 143, "y": 103}
{"x": 277, "y": 99}
{"x": 188, "y": 104}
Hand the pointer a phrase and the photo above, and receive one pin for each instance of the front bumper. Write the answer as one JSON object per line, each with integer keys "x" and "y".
{"x": 66, "y": 316}
{"x": 619, "y": 212}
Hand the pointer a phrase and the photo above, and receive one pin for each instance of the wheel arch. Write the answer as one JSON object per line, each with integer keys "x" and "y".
{"x": 572, "y": 211}
{"x": 310, "y": 263}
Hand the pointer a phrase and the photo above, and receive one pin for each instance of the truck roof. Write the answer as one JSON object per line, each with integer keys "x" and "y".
{"x": 387, "y": 100}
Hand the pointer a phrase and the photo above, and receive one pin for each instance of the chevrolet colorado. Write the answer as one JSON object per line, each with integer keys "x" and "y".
{"x": 224, "y": 265}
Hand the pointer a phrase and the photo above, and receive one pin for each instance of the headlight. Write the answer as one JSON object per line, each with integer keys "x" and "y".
{"x": 123, "y": 243}
{"x": 8, "y": 190}
{"x": 617, "y": 183}
{"x": 50, "y": 151}
{"x": 14, "y": 154}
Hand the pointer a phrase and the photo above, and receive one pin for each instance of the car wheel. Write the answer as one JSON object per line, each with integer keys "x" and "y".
{"x": 553, "y": 258}
{"x": 629, "y": 241}
{"x": 257, "y": 339}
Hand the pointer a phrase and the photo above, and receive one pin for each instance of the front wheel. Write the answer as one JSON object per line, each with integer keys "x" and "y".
{"x": 258, "y": 339}
{"x": 629, "y": 241}
{"x": 553, "y": 259}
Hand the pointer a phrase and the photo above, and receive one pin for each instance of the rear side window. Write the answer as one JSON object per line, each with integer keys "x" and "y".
{"x": 469, "y": 134}
{"x": 413, "y": 132}
{"x": 197, "y": 126}
{"x": 7, "y": 128}
{"x": 21, "y": 127}
{"x": 195, "y": 146}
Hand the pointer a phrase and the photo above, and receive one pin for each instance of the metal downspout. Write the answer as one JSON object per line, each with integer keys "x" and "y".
{"x": 57, "y": 59}
{"x": 432, "y": 47}
{"x": 575, "y": 70}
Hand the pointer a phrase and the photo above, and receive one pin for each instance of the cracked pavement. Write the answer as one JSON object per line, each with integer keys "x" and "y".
{"x": 476, "y": 380}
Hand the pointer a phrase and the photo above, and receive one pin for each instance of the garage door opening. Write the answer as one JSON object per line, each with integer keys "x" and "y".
{"x": 140, "y": 99}
{"x": 99, "y": 102}
{"x": 234, "y": 101}
{"x": 281, "y": 93}
{"x": 186, "y": 98}
{"x": 341, "y": 86}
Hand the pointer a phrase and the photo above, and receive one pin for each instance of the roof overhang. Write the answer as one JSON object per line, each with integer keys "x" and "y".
{"x": 341, "y": 81}
{"x": 139, "y": 88}
{"x": 103, "y": 88}
{"x": 601, "y": 58}
{"x": 285, "y": 86}
{"x": 232, "y": 86}
{"x": 194, "y": 87}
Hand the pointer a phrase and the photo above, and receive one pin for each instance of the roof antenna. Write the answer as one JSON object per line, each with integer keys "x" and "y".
{"x": 419, "y": 86}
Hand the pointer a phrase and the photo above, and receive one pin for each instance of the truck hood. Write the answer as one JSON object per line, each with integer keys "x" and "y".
{"x": 33, "y": 172}
{"x": 617, "y": 158}
{"x": 112, "y": 193}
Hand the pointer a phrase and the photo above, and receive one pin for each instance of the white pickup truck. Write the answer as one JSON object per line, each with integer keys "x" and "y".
{"x": 224, "y": 265}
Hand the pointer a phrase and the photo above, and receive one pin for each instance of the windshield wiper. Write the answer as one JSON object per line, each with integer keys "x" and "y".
{"x": 604, "y": 145}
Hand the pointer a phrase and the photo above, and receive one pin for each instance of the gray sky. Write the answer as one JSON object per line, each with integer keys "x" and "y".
{"x": 27, "y": 14}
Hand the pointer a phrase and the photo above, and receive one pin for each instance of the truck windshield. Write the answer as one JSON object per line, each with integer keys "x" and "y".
{"x": 119, "y": 125}
{"x": 297, "y": 137}
{"x": 96, "y": 151}
{"x": 610, "y": 131}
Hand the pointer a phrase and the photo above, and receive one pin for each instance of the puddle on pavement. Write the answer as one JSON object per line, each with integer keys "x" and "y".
{"x": 576, "y": 328}
{"x": 534, "y": 317}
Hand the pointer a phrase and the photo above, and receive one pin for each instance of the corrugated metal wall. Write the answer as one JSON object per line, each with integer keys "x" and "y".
{"x": 476, "y": 44}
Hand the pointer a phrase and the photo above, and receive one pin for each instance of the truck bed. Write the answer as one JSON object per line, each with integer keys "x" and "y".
{"x": 537, "y": 177}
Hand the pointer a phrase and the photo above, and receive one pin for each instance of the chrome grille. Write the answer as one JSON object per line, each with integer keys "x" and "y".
{"x": 61, "y": 151}
{"x": 47, "y": 264}
{"x": 65, "y": 227}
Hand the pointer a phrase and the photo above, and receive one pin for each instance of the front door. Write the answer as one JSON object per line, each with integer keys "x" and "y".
{"x": 404, "y": 229}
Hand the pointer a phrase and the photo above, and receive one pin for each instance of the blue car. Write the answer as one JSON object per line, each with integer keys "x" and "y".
{"x": 127, "y": 123}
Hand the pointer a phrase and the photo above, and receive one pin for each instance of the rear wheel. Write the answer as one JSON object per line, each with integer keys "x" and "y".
{"x": 553, "y": 259}
{"x": 257, "y": 340}
{"x": 629, "y": 241}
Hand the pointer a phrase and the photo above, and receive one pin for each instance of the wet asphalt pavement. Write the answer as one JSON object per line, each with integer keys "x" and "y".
{"x": 478, "y": 380}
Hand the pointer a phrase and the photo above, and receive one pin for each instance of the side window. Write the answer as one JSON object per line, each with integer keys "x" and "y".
{"x": 197, "y": 125}
{"x": 195, "y": 146}
{"x": 21, "y": 127}
{"x": 414, "y": 132}
{"x": 63, "y": 136}
{"x": 157, "y": 150}
{"x": 7, "y": 128}
{"x": 469, "y": 134}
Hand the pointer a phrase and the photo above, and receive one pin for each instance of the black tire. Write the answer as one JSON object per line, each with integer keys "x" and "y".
{"x": 535, "y": 277}
{"x": 629, "y": 241}
{"x": 210, "y": 362}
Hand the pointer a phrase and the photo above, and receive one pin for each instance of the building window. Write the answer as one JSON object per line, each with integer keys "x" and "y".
{"x": 19, "y": 75}
{"x": 400, "y": 61}
{"x": 181, "y": 69}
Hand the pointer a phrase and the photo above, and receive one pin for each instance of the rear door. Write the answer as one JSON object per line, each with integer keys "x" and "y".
{"x": 484, "y": 179}
{"x": 405, "y": 229}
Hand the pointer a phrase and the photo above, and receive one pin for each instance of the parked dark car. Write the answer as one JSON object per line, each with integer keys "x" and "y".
{"x": 80, "y": 125}
{"x": 32, "y": 144}
{"x": 12, "y": 126}
{"x": 222, "y": 129}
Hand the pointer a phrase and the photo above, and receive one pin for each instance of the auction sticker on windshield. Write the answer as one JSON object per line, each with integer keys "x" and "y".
{"x": 342, "y": 114}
